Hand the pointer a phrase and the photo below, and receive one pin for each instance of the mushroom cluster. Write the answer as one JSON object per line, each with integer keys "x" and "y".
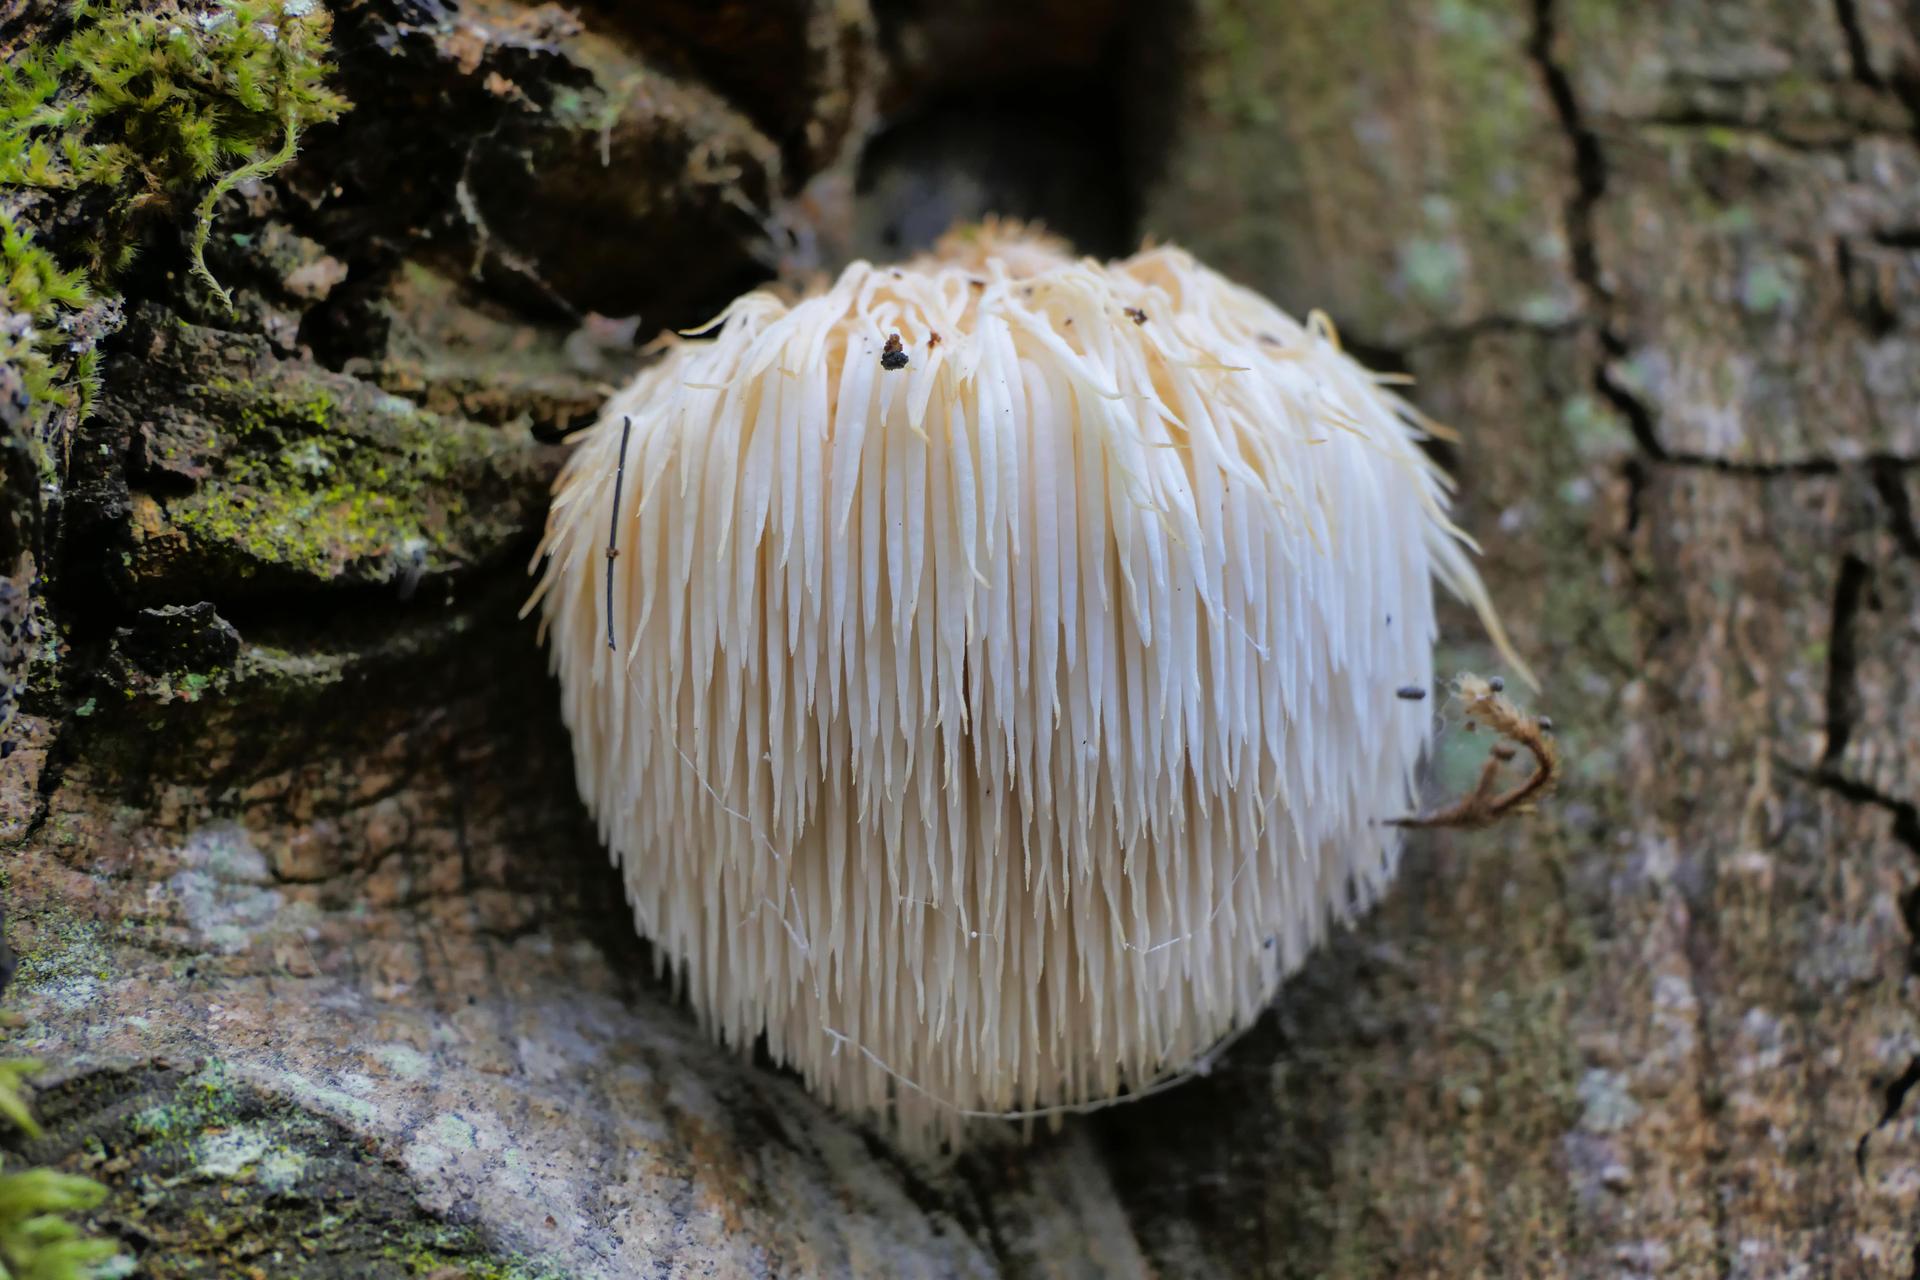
{"x": 985, "y": 669}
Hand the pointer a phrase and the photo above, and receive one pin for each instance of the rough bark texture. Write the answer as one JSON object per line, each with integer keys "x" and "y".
{"x": 332, "y": 970}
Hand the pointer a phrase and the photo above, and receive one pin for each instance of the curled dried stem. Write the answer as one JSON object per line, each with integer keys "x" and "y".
{"x": 1485, "y": 804}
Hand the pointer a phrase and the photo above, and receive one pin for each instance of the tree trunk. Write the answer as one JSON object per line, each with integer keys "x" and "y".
{"x": 335, "y": 979}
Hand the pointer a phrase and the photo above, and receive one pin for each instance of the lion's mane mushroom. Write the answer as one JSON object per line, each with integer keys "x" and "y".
{"x": 993, "y": 717}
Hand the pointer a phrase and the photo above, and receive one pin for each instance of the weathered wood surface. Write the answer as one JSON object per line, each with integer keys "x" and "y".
{"x": 336, "y": 977}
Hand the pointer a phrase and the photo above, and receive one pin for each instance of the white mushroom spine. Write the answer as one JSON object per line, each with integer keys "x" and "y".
{"x": 994, "y": 734}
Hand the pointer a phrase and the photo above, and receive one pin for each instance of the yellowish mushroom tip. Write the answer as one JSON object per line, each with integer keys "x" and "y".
{"x": 984, "y": 669}
{"x": 1009, "y": 241}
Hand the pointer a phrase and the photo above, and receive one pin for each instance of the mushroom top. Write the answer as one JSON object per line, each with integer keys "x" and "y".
{"x": 994, "y": 728}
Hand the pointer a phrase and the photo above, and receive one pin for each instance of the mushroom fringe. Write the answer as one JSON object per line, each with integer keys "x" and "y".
{"x": 994, "y": 729}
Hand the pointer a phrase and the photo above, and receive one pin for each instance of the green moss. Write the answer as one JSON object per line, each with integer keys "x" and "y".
{"x": 135, "y": 111}
{"x": 13, "y": 1107}
{"x": 439, "y": 1250}
{"x": 225, "y": 1180}
{"x": 303, "y": 477}
{"x": 37, "y": 1242}
{"x": 147, "y": 108}
{"x": 35, "y": 294}
{"x": 301, "y": 496}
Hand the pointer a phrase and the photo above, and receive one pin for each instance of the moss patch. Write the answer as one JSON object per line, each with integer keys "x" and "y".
{"x": 34, "y": 295}
{"x": 113, "y": 115}
{"x": 275, "y": 476}
{"x": 219, "y": 1179}
{"x": 317, "y": 502}
{"x": 145, "y": 108}
{"x": 38, "y": 1241}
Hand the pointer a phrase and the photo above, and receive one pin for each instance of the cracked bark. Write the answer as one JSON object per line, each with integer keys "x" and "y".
{"x": 332, "y": 968}
{"x": 1697, "y": 490}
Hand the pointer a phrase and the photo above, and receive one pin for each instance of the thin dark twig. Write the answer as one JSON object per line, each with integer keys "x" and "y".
{"x": 613, "y": 530}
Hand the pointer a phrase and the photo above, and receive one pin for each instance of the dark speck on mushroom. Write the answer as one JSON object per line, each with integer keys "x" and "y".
{"x": 893, "y": 355}
{"x": 1136, "y": 315}
{"x": 1411, "y": 692}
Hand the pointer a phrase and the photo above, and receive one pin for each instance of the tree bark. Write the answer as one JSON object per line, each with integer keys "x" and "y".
{"x": 332, "y": 971}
